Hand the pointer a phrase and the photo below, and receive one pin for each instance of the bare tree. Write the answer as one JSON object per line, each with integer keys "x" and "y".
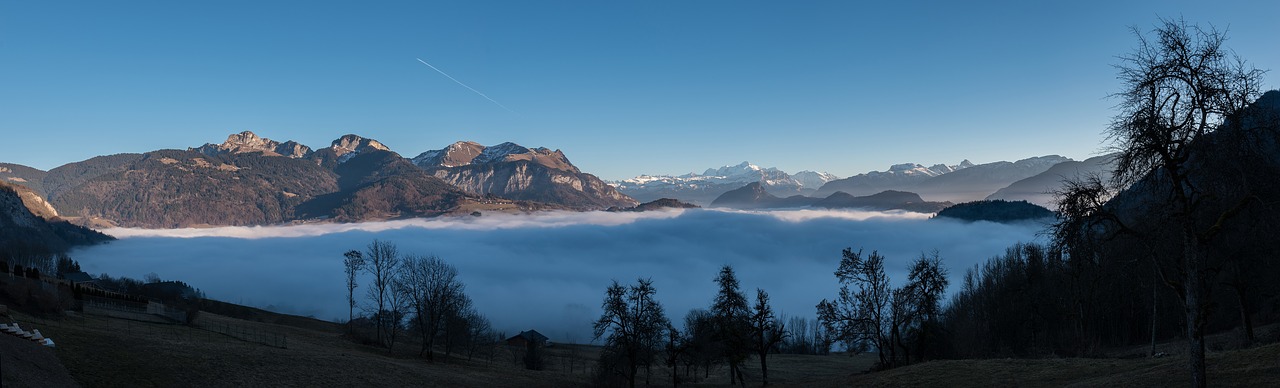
{"x": 635, "y": 324}
{"x": 861, "y": 316}
{"x": 397, "y": 303}
{"x": 926, "y": 283}
{"x": 433, "y": 291}
{"x": 353, "y": 263}
{"x": 382, "y": 260}
{"x": 1179, "y": 85}
{"x": 767, "y": 332}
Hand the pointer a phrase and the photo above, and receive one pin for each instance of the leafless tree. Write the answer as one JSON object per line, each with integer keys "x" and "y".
{"x": 353, "y": 263}
{"x": 433, "y": 291}
{"x": 382, "y": 259}
{"x": 860, "y": 316}
{"x": 766, "y": 331}
{"x": 1180, "y": 84}
{"x": 633, "y": 324}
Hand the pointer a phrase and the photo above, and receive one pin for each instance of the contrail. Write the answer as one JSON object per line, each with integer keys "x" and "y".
{"x": 465, "y": 86}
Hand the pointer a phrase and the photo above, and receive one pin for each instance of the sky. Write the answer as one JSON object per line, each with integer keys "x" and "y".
{"x": 549, "y": 271}
{"x": 623, "y": 88}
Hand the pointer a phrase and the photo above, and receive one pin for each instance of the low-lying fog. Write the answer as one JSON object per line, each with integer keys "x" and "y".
{"x": 549, "y": 271}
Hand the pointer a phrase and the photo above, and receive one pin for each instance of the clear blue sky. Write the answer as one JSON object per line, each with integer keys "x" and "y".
{"x": 623, "y": 88}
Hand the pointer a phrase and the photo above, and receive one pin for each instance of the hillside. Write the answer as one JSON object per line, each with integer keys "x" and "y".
{"x": 996, "y": 211}
{"x": 172, "y": 188}
{"x": 1254, "y": 367}
{"x": 25, "y": 234}
{"x": 22, "y": 175}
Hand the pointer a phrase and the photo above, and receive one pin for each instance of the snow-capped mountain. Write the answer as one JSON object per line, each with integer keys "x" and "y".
{"x": 703, "y": 188}
{"x": 812, "y": 180}
{"x": 897, "y": 177}
{"x": 959, "y": 183}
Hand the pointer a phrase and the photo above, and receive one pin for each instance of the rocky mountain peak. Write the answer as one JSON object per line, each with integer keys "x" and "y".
{"x": 457, "y": 154}
{"x": 249, "y": 142}
{"x": 464, "y": 153}
{"x": 350, "y": 145}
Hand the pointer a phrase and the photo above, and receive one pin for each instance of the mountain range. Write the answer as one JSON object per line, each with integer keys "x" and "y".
{"x": 754, "y": 196}
{"x": 1029, "y": 179}
{"x": 251, "y": 180}
{"x": 706, "y": 187}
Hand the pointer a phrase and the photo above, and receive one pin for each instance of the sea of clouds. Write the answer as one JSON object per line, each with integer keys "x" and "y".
{"x": 549, "y": 271}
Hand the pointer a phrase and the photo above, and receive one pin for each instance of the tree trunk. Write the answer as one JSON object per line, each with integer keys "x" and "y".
{"x": 1245, "y": 319}
{"x": 1194, "y": 310}
{"x": 631, "y": 374}
{"x": 732, "y": 373}
{"x": 764, "y": 368}
{"x": 1154, "y": 304}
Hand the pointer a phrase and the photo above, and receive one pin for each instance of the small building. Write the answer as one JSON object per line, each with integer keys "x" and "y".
{"x": 78, "y": 277}
{"x": 525, "y": 337}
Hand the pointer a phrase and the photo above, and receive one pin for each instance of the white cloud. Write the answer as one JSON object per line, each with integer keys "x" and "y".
{"x": 548, "y": 271}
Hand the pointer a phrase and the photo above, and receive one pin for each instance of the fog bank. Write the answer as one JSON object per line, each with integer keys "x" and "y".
{"x": 548, "y": 271}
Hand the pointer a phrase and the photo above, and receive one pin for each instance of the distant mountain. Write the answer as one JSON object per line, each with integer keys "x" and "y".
{"x": 253, "y": 180}
{"x": 753, "y": 196}
{"x": 345, "y": 148}
{"x": 897, "y": 177}
{"x": 996, "y": 211}
{"x": 704, "y": 188}
{"x": 378, "y": 184}
{"x": 659, "y": 204}
{"x": 1039, "y": 188}
{"x": 248, "y": 142}
{"x": 174, "y": 188}
{"x": 26, "y": 231}
{"x": 512, "y": 171}
{"x": 812, "y": 180}
{"x": 885, "y": 200}
{"x": 977, "y": 182}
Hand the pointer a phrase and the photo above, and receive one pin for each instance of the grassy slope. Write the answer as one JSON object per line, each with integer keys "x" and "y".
{"x": 101, "y": 351}
{"x": 1258, "y": 366}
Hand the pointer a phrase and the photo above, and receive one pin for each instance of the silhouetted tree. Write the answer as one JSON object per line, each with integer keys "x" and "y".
{"x": 766, "y": 331}
{"x": 1179, "y": 86}
{"x": 700, "y": 335}
{"x": 352, "y": 264}
{"x": 382, "y": 258}
{"x": 860, "y": 316}
{"x": 926, "y": 283}
{"x": 635, "y": 326}
{"x": 434, "y": 294}
{"x": 732, "y": 320}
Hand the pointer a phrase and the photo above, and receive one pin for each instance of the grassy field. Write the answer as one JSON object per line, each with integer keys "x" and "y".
{"x": 110, "y": 351}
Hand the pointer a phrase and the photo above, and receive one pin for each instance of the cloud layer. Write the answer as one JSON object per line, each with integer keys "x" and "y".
{"x": 549, "y": 271}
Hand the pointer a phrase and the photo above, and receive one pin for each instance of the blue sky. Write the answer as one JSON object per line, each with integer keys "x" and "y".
{"x": 623, "y": 88}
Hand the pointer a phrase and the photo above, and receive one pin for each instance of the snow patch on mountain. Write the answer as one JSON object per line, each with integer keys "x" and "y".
{"x": 813, "y": 179}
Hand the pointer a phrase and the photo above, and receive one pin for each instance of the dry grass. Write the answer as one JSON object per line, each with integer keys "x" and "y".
{"x": 1258, "y": 366}
{"x": 104, "y": 351}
